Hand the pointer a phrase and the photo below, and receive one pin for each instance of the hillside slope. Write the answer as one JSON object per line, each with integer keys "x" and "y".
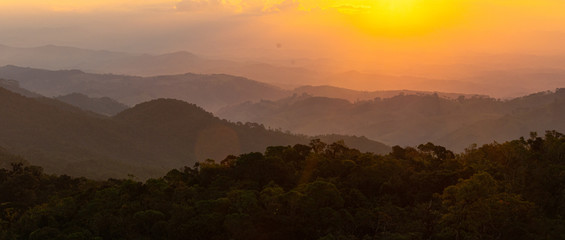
{"x": 209, "y": 91}
{"x": 145, "y": 140}
{"x": 104, "y": 105}
{"x": 411, "y": 119}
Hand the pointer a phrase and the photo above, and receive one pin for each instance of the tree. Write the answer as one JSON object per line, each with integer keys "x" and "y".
{"x": 476, "y": 209}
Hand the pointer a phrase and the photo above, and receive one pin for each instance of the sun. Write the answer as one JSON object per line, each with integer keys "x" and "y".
{"x": 408, "y": 17}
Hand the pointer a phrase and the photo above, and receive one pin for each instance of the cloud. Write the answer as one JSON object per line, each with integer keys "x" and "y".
{"x": 286, "y": 5}
{"x": 254, "y": 7}
{"x": 199, "y": 5}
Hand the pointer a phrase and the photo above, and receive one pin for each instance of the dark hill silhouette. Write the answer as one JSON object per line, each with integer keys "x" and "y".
{"x": 60, "y": 137}
{"x": 146, "y": 140}
{"x": 214, "y": 137}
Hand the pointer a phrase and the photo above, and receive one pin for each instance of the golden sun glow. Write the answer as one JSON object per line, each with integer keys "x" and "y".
{"x": 408, "y": 17}
{"x": 399, "y": 6}
{"x": 356, "y": 28}
{"x": 377, "y": 17}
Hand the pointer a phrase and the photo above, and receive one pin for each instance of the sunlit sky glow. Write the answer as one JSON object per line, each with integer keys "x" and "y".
{"x": 360, "y": 32}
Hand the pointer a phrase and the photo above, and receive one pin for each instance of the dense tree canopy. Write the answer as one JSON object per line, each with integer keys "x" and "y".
{"x": 513, "y": 190}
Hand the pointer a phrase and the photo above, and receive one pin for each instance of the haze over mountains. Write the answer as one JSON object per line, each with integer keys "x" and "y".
{"x": 354, "y": 95}
{"x": 84, "y": 126}
{"x": 408, "y": 120}
{"x": 499, "y": 76}
{"x": 59, "y": 57}
{"x": 282, "y": 119}
{"x": 14, "y": 86}
{"x": 146, "y": 140}
{"x": 211, "y": 92}
{"x": 401, "y": 117}
{"x": 104, "y": 105}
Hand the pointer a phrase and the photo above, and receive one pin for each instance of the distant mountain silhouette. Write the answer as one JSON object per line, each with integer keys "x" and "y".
{"x": 500, "y": 76}
{"x": 14, "y": 86}
{"x": 209, "y": 91}
{"x": 353, "y": 95}
{"x": 510, "y": 83}
{"x": 59, "y": 57}
{"x": 104, "y": 105}
{"x": 146, "y": 140}
{"x": 411, "y": 119}
{"x": 429, "y": 84}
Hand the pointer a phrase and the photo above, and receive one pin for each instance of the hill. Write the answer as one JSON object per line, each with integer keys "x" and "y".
{"x": 354, "y": 95}
{"x": 7, "y": 159}
{"x": 209, "y": 91}
{"x": 14, "y": 86}
{"x": 145, "y": 140}
{"x": 411, "y": 119}
{"x": 104, "y": 105}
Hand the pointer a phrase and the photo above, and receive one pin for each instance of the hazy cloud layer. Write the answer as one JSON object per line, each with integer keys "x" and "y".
{"x": 195, "y": 5}
{"x": 372, "y": 35}
{"x": 237, "y": 7}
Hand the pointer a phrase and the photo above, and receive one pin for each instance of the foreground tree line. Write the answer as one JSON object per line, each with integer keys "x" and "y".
{"x": 513, "y": 190}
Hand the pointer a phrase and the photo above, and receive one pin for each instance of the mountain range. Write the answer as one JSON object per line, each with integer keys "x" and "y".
{"x": 211, "y": 92}
{"x": 61, "y": 57}
{"x": 103, "y": 105}
{"x": 408, "y": 120}
{"x": 399, "y": 117}
{"x": 145, "y": 140}
{"x": 499, "y": 76}
{"x": 355, "y": 95}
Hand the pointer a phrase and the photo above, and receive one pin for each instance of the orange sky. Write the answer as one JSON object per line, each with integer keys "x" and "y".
{"x": 361, "y": 33}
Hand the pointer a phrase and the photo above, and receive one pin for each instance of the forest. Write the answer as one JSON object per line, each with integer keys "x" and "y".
{"x": 282, "y": 120}
{"x": 510, "y": 190}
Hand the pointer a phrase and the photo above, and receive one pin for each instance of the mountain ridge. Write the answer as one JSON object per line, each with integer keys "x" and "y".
{"x": 411, "y": 119}
{"x": 145, "y": 140}
{"x": 172, "y": 63}
{"x": 103, "y": 105}
{"x": 211, "y": 91}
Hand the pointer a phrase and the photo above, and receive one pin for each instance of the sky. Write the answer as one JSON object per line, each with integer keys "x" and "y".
{"x": 362, "y": 34}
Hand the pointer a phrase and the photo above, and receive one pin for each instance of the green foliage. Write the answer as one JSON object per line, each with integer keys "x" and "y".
{"x": 476, "y": 209}
{"x": 513, "y": 190}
